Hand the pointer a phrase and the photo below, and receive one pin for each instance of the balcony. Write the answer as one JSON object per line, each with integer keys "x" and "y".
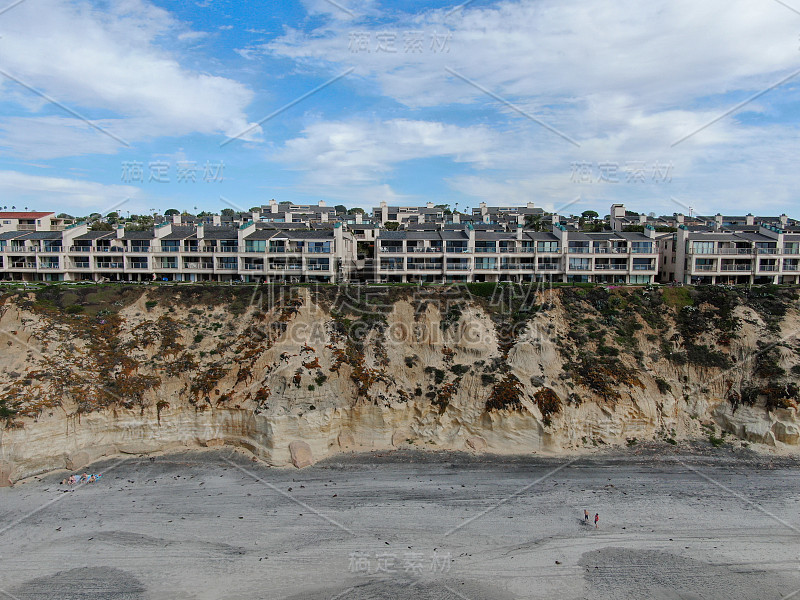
{"x": 457, "y": 267}
{"x": 109, "y": 266}
{"x": 791, "y": 267}
{"x": 391, "y": 267}
{"x": 492, "y": 250}
{"x": 49, "y": 266}
{"x": 252, "y": 267}
{"x": 392, "y": 249}
{"x": 767, "y": 250}
{"x": 228, "y": 249}
{"x": 137, "y": 266}
{"x": 791, "y": 250}
{"x": 424, "y": 267}
{"x": 611, "y": 267}
{"x": 52, "y": 249}
{"x": 25, "y": 227}
{"x": 168, "y": 249}
{"x": 705, "y": 268}
{"x": 227, "y": 267}
{"x": 548, "y": 267}
{"x": 313, "y": 250}
{"x": 579, "y": 250}
{"x": 23, "y": 265}
{"x": 767, "y": 268}
{"x": 736, "y": 268}
{"x": 326, "y": 267}
{"x": 193, "y": 266}
{"x": 457, "y": 250}
{"x": 580, "y": 267}
{"x": 509, "y": 249}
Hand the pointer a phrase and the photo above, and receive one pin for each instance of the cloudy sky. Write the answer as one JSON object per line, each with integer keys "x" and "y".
{"x": 131, "y": 105}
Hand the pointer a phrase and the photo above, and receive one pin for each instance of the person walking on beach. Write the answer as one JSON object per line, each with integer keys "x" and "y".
{"x": 596, "y": 519}
{"x": 586, "y": 516}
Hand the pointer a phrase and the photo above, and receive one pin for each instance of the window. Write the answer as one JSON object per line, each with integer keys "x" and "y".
{"x": 547, "y": 246}
{"x": 257, "y": 246}
{"x": 703, "y": 247}
{"x": 486, "y": 263}
{"x": 138, "y": 262}
{"x": 642, "y": 247}
{"x": 580, "y": 264}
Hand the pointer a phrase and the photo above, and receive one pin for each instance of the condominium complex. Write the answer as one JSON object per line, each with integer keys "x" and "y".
{"x": 745, "y": 255}
{"x": 170, "y": 252}
{"x": 469, "y": 253}
{"x": 296, "y": 243}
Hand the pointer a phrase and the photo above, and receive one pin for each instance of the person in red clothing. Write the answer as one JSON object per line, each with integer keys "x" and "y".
{"x": 596, "y": 519}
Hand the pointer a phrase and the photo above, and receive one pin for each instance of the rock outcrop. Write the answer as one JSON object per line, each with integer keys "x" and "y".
{"x": 89, "y": 372}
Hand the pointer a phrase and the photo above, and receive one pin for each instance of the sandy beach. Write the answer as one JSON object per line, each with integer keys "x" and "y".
{"x": 216, "y": 525}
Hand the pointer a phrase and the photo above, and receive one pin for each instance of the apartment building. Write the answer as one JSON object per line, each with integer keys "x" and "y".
{"x": 31, "y": 221}
{"x": 761, "y": 254}
{"x": 171, "y": 252}
{"x": 468, "y": 254}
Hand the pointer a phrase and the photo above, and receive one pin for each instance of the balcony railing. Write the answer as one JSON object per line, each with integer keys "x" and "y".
{"x": 791, "y": 267}
{"x": 327, "y": 267}
{"x": 579, "y": 250}
{"x": 492, "y": 249}
{"x": 791, "y": 250}
{"x": 767, "y": 267}
{"x": 736, "y": 268}
{"x": 580, "y": 267}
{"x": 548, "y": 267}
{"x": 227, "y": 267}
{"x": 457, "y": 267}
{"x": 456, "y": 250}
{"x": 767, "y": 250}
{"x": 425, "y": 266}
{"x": 228, "y": 249}
{"x": 611, "y": 267}
{"x": 705, "y": 268}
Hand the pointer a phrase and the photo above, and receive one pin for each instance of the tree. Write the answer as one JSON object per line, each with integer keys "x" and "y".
{"x": 356, "y": 211}
{"x": 227, "y": 212}
{"x": 100, "y": 226}
{"x": 171, "y": 211}
{"x": 391, "y": 225}
{"x": 62, "y": 216}
{"x": 590, "y": 214}
{"x": 258, "y": 208}
{"x": 340, "y": 209}
{"x": 533, "y": 222}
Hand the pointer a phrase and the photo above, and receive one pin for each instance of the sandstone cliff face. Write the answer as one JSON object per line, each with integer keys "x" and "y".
{"x": 88, "y": 372}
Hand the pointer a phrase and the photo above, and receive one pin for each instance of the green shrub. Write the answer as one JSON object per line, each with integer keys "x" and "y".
{"x": 198, "y": 338}
{"x": 150, "y": 304}
{"x": 460, "y": 370}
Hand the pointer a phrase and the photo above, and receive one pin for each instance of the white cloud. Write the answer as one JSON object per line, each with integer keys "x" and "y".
{"x": 67, "y": 195}
{"x": 104, "y": 63}
{"x": 363, "y": 152}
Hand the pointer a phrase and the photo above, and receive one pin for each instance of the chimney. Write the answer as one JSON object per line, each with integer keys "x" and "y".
{"x": 429, "y": 205}
{"x": 751, "y": 220}
{"x": 680, "y": 218}
{"x": 216, "y": 220}
{"x": 120, "y": 231}
{"x": 456, "y": 218}
{"x": 519, "y": 232}
{"x": 256, "y": 215}
{"x": 642, "y": 219}
{"x": 200, "y": 231}
{"x": 359, "y": 218}
{"x": 273, "y": 206}
{"x": 322, "y": 203}
{"x": 176, "y": 219}
{"x": 323, "y": 216}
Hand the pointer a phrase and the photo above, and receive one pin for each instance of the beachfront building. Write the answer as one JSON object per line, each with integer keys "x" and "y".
{"x": 747, "y": 254}
{"x": 31, "y": 221}
{"x": 176, "y": 252}
{"x": 469, "y": 253}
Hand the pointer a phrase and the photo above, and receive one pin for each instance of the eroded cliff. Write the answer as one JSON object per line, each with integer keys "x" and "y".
{"x": 88, "y": 371}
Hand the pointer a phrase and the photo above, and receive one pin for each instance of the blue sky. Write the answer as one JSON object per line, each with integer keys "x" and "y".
{"x": 568, "y": 105}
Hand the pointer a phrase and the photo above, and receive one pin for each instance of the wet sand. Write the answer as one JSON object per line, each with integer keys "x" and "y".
{"x": 215, "y": 525}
